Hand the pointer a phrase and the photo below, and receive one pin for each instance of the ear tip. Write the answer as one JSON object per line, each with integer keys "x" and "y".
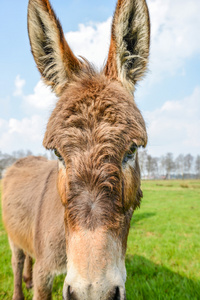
{"x": 39, "y": 1}
{"x": 33, "y": 2}
{"x": 42, "y": 3}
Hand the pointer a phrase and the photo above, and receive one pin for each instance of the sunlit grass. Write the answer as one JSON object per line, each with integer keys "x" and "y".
{"x": 163, "y": 254}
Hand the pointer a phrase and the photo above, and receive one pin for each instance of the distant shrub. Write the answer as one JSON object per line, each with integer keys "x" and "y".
{"x": 185, "y": 186}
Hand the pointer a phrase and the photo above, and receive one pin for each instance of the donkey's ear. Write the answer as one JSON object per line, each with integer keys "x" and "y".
{"x": 130, "y": 38}
{"x": 53, "y": 56}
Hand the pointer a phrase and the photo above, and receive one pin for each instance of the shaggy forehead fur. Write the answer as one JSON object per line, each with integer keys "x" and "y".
{"x": 93, "y": 125}
{"x": 95, "y": 110}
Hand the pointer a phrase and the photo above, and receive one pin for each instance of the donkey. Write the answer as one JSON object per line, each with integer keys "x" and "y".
{"x": 73, "y": 215}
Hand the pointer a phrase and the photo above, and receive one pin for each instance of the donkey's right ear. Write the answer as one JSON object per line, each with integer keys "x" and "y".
{"x": 53, "y": 56}
{"x": 129, "y": 47}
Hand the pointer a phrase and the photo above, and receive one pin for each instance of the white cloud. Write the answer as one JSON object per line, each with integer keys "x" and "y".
{"x": 22, "y": 134}
{"x": 42, "y": 97}
{"x": 28, "y": 132}
{"x": 5, "y": 106}
{"x": 40, "y": 100}
{"x": 174, "y": 35}
{"x": 27, "y": 127}
{"x": 91, "y": 41}
{"x": 175, "y": 126}
{"x": 19, "y": 84}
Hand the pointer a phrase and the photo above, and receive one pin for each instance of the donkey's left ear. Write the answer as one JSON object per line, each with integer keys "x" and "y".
{"x": 53, "y": 56}
{"x": 130, "y": 39}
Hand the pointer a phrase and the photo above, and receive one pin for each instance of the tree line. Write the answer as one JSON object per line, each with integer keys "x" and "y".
{"x": 164, "y": 167}
{"x": 168, "y": 166}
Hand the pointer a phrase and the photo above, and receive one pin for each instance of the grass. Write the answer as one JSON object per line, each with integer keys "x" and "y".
{"x": 163, "y": 254}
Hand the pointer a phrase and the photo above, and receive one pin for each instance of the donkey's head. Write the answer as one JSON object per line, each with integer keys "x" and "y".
{"x": 95, "y": 131}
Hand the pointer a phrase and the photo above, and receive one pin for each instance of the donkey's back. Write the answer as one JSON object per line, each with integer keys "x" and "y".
{"x": 32, "y": 212}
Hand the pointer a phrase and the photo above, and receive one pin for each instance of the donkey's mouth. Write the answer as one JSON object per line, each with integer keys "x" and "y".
{"x": 115, "y": 294}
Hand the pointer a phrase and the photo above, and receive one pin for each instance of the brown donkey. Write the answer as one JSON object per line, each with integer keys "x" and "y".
{"x": 74, "y": 216}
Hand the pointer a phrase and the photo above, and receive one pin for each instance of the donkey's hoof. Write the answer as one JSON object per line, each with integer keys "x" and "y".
{"x": 18, "y": 297}
{"x": 29, "y": 285}
{"x": 28, "y": 282}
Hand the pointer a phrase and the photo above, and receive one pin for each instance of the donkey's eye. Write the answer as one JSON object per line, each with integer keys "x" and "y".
{"x": 59, "y": 156}
{"x": 130, "y": 154}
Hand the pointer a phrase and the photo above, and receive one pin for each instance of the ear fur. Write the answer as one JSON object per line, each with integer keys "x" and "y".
{"x": 130, "y": 39}
{"x": 53, "y": 56}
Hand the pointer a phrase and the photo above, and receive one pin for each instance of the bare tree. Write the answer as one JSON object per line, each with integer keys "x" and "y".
{"x": 179, "y": 165}
{"x": 29, "y": 152}
{"x": 162, "y": 166}
{"x": 148, "y": 165}
{"x": 197, "y": 166}
{"x": 154, "y": 167}
{"x": 142, "y": 159}
{"x": 188, "y": 160}
{"x": 169, "y": 163}
{"x": 7, "y": 160}
{"x": 151, "y": 166}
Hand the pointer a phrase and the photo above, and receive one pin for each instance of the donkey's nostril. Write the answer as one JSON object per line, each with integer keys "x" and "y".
{"x": 69, "y": 291}
{"x": 117, "y": 294}
{"x": 70, "y": 294}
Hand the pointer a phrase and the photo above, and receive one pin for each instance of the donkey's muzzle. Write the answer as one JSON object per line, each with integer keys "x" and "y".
{"x": 115, "y": 294}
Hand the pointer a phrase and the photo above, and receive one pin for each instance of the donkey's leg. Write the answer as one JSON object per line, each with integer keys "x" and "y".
{"x": 18, "y": 257}
{"x": 42, "y": 281}
{"x": 27, "y": 274}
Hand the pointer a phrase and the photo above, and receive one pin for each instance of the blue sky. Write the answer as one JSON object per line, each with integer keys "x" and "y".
{"x": 169, "y": 96}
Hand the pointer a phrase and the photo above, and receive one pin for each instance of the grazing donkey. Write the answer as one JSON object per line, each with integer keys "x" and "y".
{"x": 74, "y": 216}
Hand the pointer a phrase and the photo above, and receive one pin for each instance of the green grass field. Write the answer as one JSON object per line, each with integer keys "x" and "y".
{"x": 163, "y": 255}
